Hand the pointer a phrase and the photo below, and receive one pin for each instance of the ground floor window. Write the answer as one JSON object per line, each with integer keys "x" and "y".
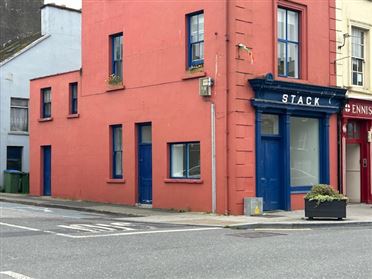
{"x": 117, "y": 151}
{"x": 185, "y": 160}
{"x": 14, "y": 158}
{"x": 304, "y": 151}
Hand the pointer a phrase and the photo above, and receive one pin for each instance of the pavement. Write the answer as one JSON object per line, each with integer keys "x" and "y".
{"x": 357, "y": 214}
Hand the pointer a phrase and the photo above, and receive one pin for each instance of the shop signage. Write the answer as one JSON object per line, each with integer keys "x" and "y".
{"x": 358, "y": 109}
{"x": 300, "y": 100}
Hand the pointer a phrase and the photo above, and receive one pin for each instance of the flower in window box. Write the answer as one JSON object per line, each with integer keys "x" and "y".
{"x": 114, "y": 80}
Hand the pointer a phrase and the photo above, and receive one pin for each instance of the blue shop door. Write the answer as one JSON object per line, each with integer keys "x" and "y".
{"x": 270, "y": 187}
{"x": 145, "y": 164}
{"x": 47, "y": 169}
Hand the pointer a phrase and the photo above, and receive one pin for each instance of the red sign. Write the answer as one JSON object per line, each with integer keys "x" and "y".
{"x": 358, "y": 108}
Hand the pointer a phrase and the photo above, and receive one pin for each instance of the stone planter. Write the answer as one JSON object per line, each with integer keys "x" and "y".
{"x": 329, "y": 209}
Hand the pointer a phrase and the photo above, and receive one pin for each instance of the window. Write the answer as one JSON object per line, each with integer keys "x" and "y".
{"x": 117, "y": 151}
{"x": 288, "y": 43}
{"x": 73, "y": 98}
{"x": 14, "y": 158}
{"x": 357, "y": 55}
{"x": 304, "y": 151}
{"x": 46, "y": 101}
{"x": 269, "y": 124}
{"x": 18, "y": 115}
{"x": 353, "y": 130}
{"x": 195, "y": 24}
{"x": 117, "y": 55}
{"x": 185, "y": 160}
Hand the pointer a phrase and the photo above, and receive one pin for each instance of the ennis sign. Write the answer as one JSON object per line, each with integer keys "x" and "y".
{"x": 358, "y": 109}
{"x": 300, "y": 100}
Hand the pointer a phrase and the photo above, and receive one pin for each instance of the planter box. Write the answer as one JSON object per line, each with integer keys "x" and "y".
{"x": 332, "y": 209}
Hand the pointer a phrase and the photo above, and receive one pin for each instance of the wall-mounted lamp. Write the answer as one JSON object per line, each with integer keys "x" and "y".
{"x": 346, "y": 35}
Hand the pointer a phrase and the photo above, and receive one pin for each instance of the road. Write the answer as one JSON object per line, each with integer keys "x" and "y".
{"x": 39, "y": 242}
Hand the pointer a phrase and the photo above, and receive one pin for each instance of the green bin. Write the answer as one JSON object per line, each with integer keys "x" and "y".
{"x": 25, "y": 188}
{"x": 12, "y": 179}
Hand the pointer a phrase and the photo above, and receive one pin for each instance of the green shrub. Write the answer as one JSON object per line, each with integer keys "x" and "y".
{"x": 323, "y": 193}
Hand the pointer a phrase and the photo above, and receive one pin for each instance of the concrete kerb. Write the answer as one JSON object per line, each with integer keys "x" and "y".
{"x": 301, "y": 225}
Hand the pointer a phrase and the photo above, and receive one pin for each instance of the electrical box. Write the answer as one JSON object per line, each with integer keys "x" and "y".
{"x": 253, "y": 206}
{"x": 205, "y": 85}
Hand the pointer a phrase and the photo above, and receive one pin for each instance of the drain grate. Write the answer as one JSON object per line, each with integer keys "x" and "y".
{"x": 256, "y": 234}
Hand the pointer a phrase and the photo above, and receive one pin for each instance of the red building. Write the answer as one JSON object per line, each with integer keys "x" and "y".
{"x": 138, "y": 124}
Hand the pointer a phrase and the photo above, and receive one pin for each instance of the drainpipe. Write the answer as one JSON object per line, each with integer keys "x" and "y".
{"x": 227, "y": 209}
{"x": 213, "y": 136}
{"x": 339, "y": 154}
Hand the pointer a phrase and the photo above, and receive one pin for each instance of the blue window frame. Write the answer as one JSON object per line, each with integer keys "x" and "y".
{"x": 185, "y": 160}
{"x": 73, "y": 98}
{"x": 195, "y": 24}
{"x": 117, "y": 151}
{"x": 288, "y": 43}
{"x": 46, "y": 102}
{"x": 117, "y": 55}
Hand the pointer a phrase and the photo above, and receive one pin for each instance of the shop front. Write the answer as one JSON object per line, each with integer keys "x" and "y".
{"x": 356, "y": 150}
{"x": 295, "y": 128}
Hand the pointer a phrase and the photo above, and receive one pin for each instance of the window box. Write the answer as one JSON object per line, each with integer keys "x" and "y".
{"x": 114, "y": 87}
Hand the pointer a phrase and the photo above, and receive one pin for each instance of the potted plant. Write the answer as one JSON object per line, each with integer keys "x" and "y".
{"x": 323, "y": 201}
{"x": 114, "y": 81}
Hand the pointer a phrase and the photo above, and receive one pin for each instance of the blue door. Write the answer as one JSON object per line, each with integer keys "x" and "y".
{"x": 47, "y": 168}
{"x": 145, "y": 164}
{"x": 270, "y": 186}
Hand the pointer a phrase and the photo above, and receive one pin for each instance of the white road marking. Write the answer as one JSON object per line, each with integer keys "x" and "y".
{"x": 15, "y": 275}
{"x": 282, "y": 229}
{"x": 136, "y": 233}
{"x": 113, "y": 227}
{"x": 20, "y": 227}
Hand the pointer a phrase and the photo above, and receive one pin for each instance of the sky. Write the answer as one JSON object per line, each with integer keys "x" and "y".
{"x": 76, "y": 4}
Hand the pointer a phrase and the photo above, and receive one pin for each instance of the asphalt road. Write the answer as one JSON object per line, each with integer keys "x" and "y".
{"x": 38, "y": 242}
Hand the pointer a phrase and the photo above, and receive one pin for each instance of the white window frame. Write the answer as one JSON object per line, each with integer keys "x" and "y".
{"x": 362, "y": 58}
{"x": 19, "y": 107}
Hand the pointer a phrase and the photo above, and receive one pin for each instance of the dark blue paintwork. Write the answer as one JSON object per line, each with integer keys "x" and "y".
{"x": 144, "y": 169}
{"x": 47, "y": 170}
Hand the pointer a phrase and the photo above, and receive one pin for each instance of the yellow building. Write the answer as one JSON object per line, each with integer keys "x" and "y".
{"x": 353, "y": 67}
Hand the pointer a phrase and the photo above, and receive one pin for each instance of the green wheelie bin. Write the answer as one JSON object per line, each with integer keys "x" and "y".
{"x": 12, "y": 181}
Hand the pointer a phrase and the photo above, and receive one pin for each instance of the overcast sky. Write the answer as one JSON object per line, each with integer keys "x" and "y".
{"x": 76, "y": 4}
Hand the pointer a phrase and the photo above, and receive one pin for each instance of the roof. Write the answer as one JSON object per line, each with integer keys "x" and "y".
{"x": 60, "y": 7}
{"x": 11, "y": 48}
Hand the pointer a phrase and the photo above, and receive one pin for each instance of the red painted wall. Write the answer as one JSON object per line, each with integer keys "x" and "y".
{"x": 159, "y": 89}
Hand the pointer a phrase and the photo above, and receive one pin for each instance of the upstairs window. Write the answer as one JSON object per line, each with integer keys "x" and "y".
{"x": 73, "y": 98}
{"x": 18, "y": 115}
{"x": 185, "y": 160}
{"x": 117, "y": 152}
{"x": 288, "y": 43}
{"x": 46, "y": 103}
{"x": 117, "y": 55}
{"x": 357, "y": 56}
{"x": 195, "y": 24}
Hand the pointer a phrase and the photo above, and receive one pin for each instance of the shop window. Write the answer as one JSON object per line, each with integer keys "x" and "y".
{"x": 117, "y": 57}
{"x": 46, "y": 102}
{"x": 73, "y": 98}
{"x": 117, "y": 151}
{"x": 195, "y": 23}
{"x": 18, "y": 115}
{"x": 353, "y": 130}
{"x": 185, "y": 160}
{"x": 304, "y": 151}
{"x": 14, "y": 158}
{"x": 288, "y": 43}
{"x": 357, "y": 56}
{"x": 269, "y": 124}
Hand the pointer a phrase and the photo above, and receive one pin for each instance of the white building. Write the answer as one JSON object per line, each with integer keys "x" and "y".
{"x": 57, "y": 49}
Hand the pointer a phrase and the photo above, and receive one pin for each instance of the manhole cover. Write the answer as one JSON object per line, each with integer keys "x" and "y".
{"x": 256, "y": 234}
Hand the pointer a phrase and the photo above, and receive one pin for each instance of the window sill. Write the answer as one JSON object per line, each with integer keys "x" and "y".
{"x": 192, "y": 75}
{"x": 111, "y": 88}
{"x": 18, "y": 133}
{"x": 115, "y": 181}
{"x": 46, "y": 119}
{"x": 76, "y": 115}
{"x": 184, "y": 181}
